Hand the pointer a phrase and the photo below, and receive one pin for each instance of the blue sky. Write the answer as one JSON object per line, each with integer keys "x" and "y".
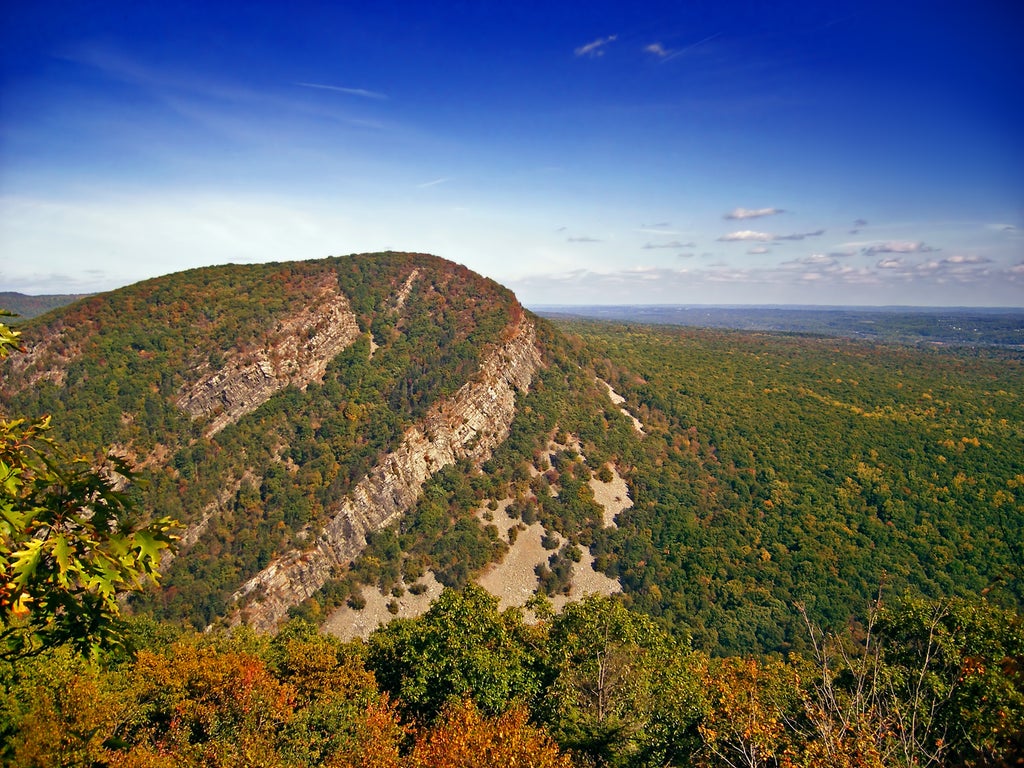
{"x": 597, "y": 152}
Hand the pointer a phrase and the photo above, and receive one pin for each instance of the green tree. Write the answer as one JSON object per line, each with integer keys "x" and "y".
{"x": 621, "y": 691}
{"x": 70, "y": 541}
{"x": 461, "y": 648}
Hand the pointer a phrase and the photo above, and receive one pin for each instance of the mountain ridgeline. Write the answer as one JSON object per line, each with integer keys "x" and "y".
{"x": 323, "y": 428}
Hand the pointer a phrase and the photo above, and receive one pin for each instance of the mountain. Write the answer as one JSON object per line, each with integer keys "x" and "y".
{"x": 342, "y": 437}
{"x": 26, "y": 307}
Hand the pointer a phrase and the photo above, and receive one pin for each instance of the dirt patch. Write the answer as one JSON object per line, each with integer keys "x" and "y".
{"x": 613, "y": 495}
{"x": 618, "y": 400}
{"x": 586, "y": 581}
{"x": 348, "y": 623}
{"x": 514, "y": 581}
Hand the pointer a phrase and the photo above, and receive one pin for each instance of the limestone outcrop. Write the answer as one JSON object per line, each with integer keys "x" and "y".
{"x": 297, "y": 353}
{"x": 468, "y": 425}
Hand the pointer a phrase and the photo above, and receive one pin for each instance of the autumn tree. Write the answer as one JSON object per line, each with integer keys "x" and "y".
{"x": 750, "y": 705}
{"x": 464, "y": 738}
{"x": 922, "y": 682}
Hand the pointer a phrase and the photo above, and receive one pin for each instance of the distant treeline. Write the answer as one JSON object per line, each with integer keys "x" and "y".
{"x": 27, "y": 307}
{"x": 977, "y": 326}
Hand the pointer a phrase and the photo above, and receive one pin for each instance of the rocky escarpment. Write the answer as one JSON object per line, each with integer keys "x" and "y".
{"x": 297, "y": 353}
{"x": 469, "y": 425}
{"x": 45, "y": 360}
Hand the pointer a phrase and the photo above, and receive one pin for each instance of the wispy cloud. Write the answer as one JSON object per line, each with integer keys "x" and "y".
{"x": 596, "y": 47}
{"x": 977, "y": 279}
{"x": 658, "y": 50}
{"x": 800, "y": 235}
{"x": 433, "y": 183}
{"x": 672, "y": 244}
{"x": 584, "y": 239}
{"x": 755, "y": 213}
{"x": 1004, "y": 228}
{"x": 899, "y": 246}
{"x": 656, "y": 231}
{"x": 669, "y": 55}
{"x": 746, "y": 234}
{"x": 349, "y": 91}
{"x": 967, "y": 260}
{"x": 758, "y": 250}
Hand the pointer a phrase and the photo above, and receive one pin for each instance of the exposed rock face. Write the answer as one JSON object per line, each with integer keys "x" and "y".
{"x": 297, "y": 353}
{"x": 46, "y": 360}
{"x": 470, "y": 425}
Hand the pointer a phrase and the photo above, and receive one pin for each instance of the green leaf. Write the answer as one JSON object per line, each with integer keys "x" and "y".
{"x": 62, "y": 551}
{"x": 149, "y": 545}
{"x": 26, "y": 561}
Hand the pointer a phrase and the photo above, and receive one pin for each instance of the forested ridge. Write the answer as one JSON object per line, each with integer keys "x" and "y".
{"x": 821, "y": 564}
{"x": 114, "y": 366}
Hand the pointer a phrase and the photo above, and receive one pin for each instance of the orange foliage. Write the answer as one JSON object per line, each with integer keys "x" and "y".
{"x": 379, "y": 737}
{"x": 465, "y": 739}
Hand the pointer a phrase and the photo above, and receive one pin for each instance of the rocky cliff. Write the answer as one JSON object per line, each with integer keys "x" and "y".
{"x": 469, "y": 425}
{"x": 297, "y": 353}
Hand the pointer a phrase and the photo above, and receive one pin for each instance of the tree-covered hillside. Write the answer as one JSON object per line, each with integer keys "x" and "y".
{"x": 113, "y": 368}
{"x": 771, "y": 470}
{"x": 780, "y": 469}
{"x": 27, "y": 306}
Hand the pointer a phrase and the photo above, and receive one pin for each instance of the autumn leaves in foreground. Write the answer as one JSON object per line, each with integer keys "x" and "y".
{"x": 917, "y": 683}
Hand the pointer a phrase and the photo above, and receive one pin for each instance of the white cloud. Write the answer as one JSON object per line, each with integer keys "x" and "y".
{"x": 672, "y": 244}
{"x": 819, "y": 258}
{"x": 584, "y": 239}
{"x": 800, "y": 235}
{"x": 967, "y": 260}
{"x": 746, "y": 234}
{"x": 748, "y": 213}
{"x": 433, "y": 183}
{"x": 658, "y": 50}
{"x": 890, "y": 264}
{"x": 899, "y": 246}
{"x": 595, "y": 48}
{"x": 758, "y": 250}
{"x": 349, "y": 91}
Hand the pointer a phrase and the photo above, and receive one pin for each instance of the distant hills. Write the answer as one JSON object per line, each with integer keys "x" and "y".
{"x": 960, "y": 326}
{"x": 345, "y": 435}
{"x": 26, "y": 306}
